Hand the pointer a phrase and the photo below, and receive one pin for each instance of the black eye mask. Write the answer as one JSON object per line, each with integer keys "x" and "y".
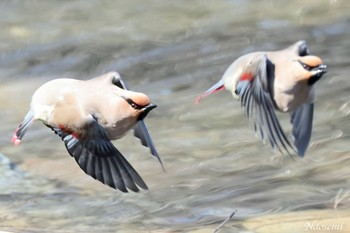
{"x": 133, "y": 104}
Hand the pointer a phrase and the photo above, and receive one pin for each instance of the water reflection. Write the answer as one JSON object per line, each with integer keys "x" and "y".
{"x": 171, "y": 51}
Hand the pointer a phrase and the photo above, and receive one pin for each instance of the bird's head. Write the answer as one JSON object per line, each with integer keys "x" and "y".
{"x": 140, "y": 103}
{"x": 310, "y": 67}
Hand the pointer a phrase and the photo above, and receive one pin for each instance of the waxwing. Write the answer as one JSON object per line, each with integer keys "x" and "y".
{"x": 265, "y": 82}
{"x": 87, "y": 115}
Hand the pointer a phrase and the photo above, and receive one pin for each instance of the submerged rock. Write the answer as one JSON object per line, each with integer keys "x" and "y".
{"x": 9, "y": 174}
{"x": 15, "y": 180}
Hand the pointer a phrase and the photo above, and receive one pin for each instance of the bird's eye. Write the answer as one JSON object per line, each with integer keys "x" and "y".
{"x": 306, "y": 67}
{"x": 132, "y": 103}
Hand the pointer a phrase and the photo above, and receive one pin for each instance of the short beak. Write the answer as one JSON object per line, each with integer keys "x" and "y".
{"x": 146, "y": 110}
{"x": 317, "y": 74}
{"x": 217, "y": 87}
{"x": 323, "y": 68}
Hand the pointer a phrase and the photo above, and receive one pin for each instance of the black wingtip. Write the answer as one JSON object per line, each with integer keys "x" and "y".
{"x": 141, "y": 132}
{"x": 300, "y": 151}
{"x": 161, "y": 163}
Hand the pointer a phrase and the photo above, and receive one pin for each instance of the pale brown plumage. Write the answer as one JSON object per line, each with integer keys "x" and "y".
{"x": 280, "y": 80}
{"x": 87, "y": 115}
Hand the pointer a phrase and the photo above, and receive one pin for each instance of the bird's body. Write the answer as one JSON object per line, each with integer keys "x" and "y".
{"x": 280, "y": 80}
{"x": 71, "y": 101}
{"x": 87, "y": 115}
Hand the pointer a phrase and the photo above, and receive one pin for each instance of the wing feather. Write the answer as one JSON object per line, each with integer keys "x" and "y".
{"x": 301, "y": 120}
{"x": 259, "y": 107}
{"x": 97, "y": 157}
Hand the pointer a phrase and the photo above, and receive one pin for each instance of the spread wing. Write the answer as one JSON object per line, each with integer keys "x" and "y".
{"x": 301, "y": 120}
{"x": 99, "y": 158}
{"x": 140, "y": 129}
{"x": 254, "y": 94}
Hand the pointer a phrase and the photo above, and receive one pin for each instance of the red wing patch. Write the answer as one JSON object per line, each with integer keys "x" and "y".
{"x": 64, "y": 129}
{"x": 246, "y": 77}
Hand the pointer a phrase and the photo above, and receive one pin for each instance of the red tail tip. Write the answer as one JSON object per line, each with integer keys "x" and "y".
{"x": 15, "y": 140}
{"x": 199, "y": 98}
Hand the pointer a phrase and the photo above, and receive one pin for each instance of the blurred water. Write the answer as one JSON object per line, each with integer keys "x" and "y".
{"x": 172, "y": 51}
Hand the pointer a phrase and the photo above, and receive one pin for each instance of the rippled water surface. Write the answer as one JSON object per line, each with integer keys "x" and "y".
{"x": 171, "y": 50}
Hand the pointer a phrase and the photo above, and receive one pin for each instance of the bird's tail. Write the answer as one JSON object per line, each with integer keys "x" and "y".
{"x": 22, "y": 128}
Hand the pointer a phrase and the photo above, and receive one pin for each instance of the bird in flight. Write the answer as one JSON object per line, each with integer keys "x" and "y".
{"x": 87, "y": 115}
{"x": 266, "y": 82}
